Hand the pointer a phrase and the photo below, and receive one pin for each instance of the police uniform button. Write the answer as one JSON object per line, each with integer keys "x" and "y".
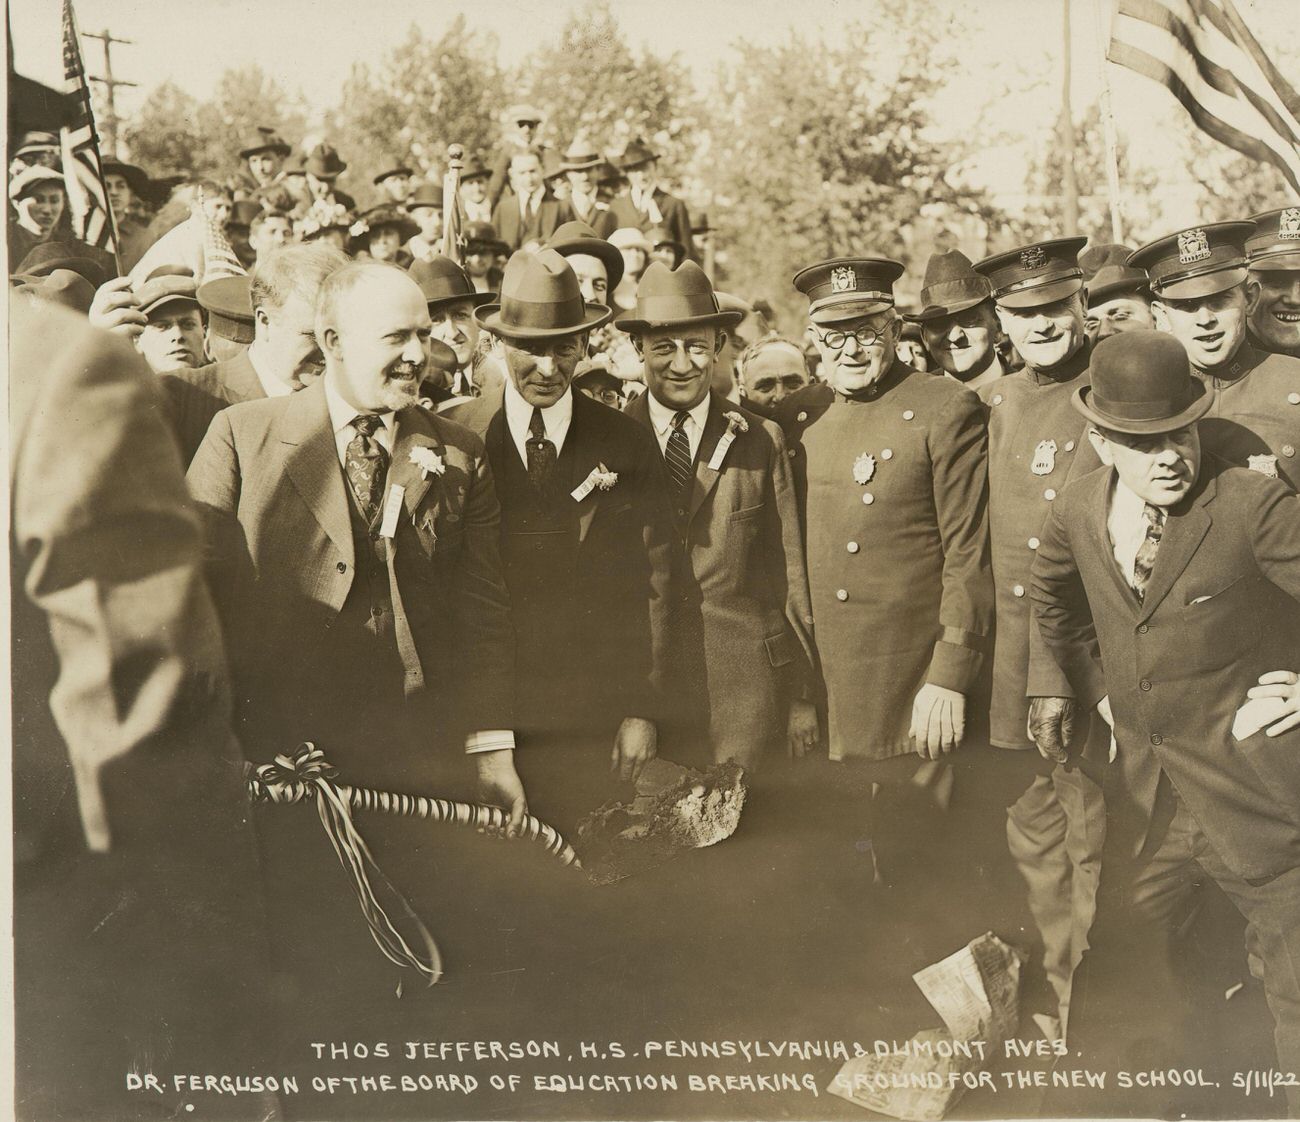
{"x": 1293, "y": 398}
{"x": 803, "y": 415}
{"x": 681, "y": 513}
{"x": 1049, "y": 494}
{"x": 808, "y": 620}
{"x": 1143, "y": 629}
{"x": 1018, "y": 590}
{"x": 1033, "y": 543}
{"x": 1069, "y": 445}
{"x": 792, "y": 452}
{"x": 1288, "y": 450}
{"x": 342, "y": 566}
{"x": 1156, "y": 738}
{"x": 868, "y": 498}
{"x": 1144, "y": 684}
{"x": 842, "y": 594}
{"x": 853, "y": 547}
{"x": 908, "y": 414}
{"x": 997, "y": 399}
{"x": 886, "y": 453}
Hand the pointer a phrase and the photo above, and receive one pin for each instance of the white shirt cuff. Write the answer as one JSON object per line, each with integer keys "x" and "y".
{"x": 490, "y": 740}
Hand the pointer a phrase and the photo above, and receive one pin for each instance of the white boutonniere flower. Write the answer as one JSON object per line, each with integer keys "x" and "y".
{"x": 600, "y": 478}
{"x": 428, "y": 461}
{"x": 735, "y": 423}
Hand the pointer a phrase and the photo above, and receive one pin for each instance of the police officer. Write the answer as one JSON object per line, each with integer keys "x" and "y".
{"x": 1036, "y": 442}
{"x": 1199, "y": 288}
{"x": 1273, "y": 287}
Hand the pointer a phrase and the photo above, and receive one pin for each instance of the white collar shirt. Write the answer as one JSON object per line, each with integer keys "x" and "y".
{"x": 661, "y": 419}
{"x": 271, "y": 385}
{"x": 519, "y": 415}
{"x": 341, "y": 416}
{"x": 1126, "y": 524}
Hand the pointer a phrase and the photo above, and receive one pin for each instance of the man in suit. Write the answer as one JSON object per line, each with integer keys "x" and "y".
{"x": 283, "y": 352}
{"x": 959, "y": 325}
{"x": 451, "y": 299}
{"x": 138, "y": 930}
{"x": 530, "y": 215}
{"x": 647, "y": 205}
{"x": 353, "y": 544}
{"x": 582, "y": 536}
{"x": 1274, "y": 283}
{"x": 581, "y": 165}
{"x": 524, "y": 122}
{"x": 739, "y": 653}
{"x": 1157, "y": 589}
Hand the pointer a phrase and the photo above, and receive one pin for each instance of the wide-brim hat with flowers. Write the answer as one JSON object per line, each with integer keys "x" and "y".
{"x": 540, "y": 299}
{"x": 676, "y": 297}
{"x": 376, "y": 218}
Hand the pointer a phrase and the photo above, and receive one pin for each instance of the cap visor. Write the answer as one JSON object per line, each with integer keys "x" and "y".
{"x": 1287, "y": 261}
{"x": 848, "y": 309}
{"x": 1205, "y": 285}
{"x": 1041, "y": 294}
{"x": 1194, "y": 412}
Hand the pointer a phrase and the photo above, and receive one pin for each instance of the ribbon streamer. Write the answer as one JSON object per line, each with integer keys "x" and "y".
{"x": 307, "y": 774}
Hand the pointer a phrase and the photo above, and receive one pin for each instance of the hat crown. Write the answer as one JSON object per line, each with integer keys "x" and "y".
{"x": 441, "y": 279}
{"x": 539, "y": 291}
{"x": 1141, "y": 381}
{"x": 950, "y": 266}
{"x": 637, "y": 152}
{"x": 667, "y": 296}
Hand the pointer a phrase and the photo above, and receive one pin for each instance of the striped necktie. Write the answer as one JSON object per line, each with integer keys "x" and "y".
{"x": 677, "y": 455}
{"x": 1145, "y": 559}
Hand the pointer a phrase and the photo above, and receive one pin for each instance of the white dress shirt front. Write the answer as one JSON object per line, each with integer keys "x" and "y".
{"x": 519, "y": 415}
{"x": 661, "y": 418}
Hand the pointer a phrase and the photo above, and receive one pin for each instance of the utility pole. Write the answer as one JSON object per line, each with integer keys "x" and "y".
{"x": 1069, "y": 180}
{"x": 110, "y": 84}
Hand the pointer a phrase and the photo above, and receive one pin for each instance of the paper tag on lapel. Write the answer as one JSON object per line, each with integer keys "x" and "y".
{"x": 720, "y": 452}
{"x": 585, "y": 488}
{"x": 392, "y": 510}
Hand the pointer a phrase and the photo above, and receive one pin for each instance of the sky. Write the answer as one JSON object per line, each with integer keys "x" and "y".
{"x": 1010, "y": 53}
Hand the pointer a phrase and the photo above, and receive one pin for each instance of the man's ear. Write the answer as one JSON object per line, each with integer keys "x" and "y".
{"x": 1160, "y": 317}
{"x": 639, "y": 343}
{"x": 720, "y": 343}
{"x": 329, "y": 341}
{"x": 1253, "y": 292}
{"x": 1101, "y": 445}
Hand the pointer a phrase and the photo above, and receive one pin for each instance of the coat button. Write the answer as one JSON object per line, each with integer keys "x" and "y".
{"x": 908, "y": 414}
{"x": 1293, "y": 398}
{"x": 1144, "y": 685}
{"x": 1143, "y": 629}
{"x": 886, "y": 453}
{"x": 1288, "y": 450}
{"x": 1017, "y": 590}
{"x": 852, "y": 547}
{"x": 792, "y": 452}
{"x": 342, "y": 566}
{"x": 1156, "y": 738}
{"x": 1033, "y": 543}
{"x": 1049, "y": 494}
{"x": 997, "y": 399}
{"x": 803, "y": 415}
{"x": 1069, "y": 445}
{"x": 842, "y": 595}
{"x": 868, "y": 498}
{"x": 681, "y": 513}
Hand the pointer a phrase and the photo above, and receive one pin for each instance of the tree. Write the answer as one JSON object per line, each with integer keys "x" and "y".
{"x": 589, "y": 80}
{"x": 837, "y": 155}
{"x": 163, "y": 136}
{"x": 426, "y": 95}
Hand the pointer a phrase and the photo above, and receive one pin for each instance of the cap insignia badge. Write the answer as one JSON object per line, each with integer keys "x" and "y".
{"x": 844, "y": 279}
{"x": 1033, "y": 257}
{"x": 1288, "y": 224}
{"x": 1265, "y": 465}
{"x": 864, "y": 468}
{"x": 1044, "y": 458}
{"x": 1193, "y": 246}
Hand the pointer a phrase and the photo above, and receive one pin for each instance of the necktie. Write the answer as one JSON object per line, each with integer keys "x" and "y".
{"x": 1145, "y": 559}
{"x": 677, "y": 455}
{"x": 541, "y": 452}
{"x": 366, "y": 465}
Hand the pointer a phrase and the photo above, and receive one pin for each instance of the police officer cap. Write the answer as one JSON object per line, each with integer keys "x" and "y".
{"x": 229, "y": 305}
{"x": 845, "y": 288}
{"x": 1196, "y": 262}
{"x": 1036, "y": 274}
{"x": 1275, "y": 244}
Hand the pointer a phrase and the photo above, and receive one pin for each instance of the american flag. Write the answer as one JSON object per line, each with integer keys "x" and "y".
{"x": 453, "y": 218}
{"x": 219, "y": 258}
{"x": 82, "y": 172}
{"x": 1205, "y": 55}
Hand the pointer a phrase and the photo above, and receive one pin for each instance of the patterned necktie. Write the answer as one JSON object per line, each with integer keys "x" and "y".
{"x": 366, "y": 465}
{"x": 1145, "y": 559}
{"x": 677, "y": 455}
{"x": 541, "y": 452}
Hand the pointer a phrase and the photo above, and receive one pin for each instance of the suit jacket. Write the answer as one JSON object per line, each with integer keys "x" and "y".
{"x": 283, "y": 561}
{"x": 601, "y": 219}
{"x": 740, "y": 619}
{"x": 586, "y": 583}
{"x": 671, "y": 208}
{"x": 195, "y": 396}
{"x": 510, "y": 229}
{"x": 1217, "y": 614}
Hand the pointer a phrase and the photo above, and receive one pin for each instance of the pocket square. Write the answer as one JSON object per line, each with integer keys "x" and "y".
{"x": 1198, "y": 600}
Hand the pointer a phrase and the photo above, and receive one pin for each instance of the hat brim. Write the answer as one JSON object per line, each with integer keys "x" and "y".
{"x": 477, "y": 299}
{"x": 939, "y": 311}
{"x": 634, "y": 326}
{"x": 1207, "y": 284}
{"x": 281, "y": 150}
{"x": 1285, "y": 262}
{"x": 406, "y": 230}
{"x": 1194, "y": 412}
{"x": 390, "y": 173}
{"x": 849, "y": 309}
{"x": 594, "y": 247}
{"x": 1101, "y": 293}
{"x": 1041, "y": 294}
{"x": 489, "y": 318}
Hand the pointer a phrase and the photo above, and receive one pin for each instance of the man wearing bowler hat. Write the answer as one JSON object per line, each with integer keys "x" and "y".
{"x": 1036, "y": 443}
{"x": 739, "y": 655}
{"x": 646, "y": 204}
{"x": 582, "y": 544}
{"x": 1119, "y": 297}
{"x": 1161, "y": 588}
{"x": 889, "y": 464}
{"x": 452, "y": 298}
{"x": 1200, "y": 295}
{"x": 581, "y": 165}
{"x": 1274, "y": 283}
{"x": 959, "y": 325}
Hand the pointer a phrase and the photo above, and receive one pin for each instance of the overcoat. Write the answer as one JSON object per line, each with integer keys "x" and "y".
{"x": 195, "y": 396}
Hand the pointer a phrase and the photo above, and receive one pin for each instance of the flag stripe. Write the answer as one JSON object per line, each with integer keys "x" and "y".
{"x": 1290, "y": 98}
{"x": 82, "y": 168}
{"x": 1159, "y": 16}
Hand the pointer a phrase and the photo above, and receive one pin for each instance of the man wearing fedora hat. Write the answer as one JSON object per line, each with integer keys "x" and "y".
{"x": 739, "y": 641}
{"x": 1161, "y": 588}
{"x": 959, "y": 325}
{"x": 1119, "y": 298}
{"x": 1036, "y": 444}
{"x": 323, "y": 166}
{"x": 283, "y": 353}
{"x": 530, "y": 215}
{"x": 263, "y": 153}
{"x": 1200, "y": 295}
{"x": 474, "y": 201}
{"x": 1274, "y": 282}
{"x": 646, "y": 204}
{"x": 394, "y": 183}
{"x": 452, "y": 298}
{"x": 582, "y": 534}
{"x": 581, "y": 164}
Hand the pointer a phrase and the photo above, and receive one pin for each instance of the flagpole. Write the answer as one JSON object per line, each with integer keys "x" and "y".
{"x": 1104, "y": 9}
{"x": 452, "y": 220}
{"x": 1069, "y": 175}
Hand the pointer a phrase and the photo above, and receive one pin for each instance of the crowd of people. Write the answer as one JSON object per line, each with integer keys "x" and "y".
{"x": 534, "y": 516}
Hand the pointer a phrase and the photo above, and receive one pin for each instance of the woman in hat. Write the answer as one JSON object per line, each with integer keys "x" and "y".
{"x": 425, "y": 209}
{"x": 380, "y": 234}
{"x": 127, "y": 186}
{"x": 326, "y": 222}
{"x": 39, "y": 214}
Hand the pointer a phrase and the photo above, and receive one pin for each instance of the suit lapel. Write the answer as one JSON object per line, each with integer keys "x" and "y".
{"x": 410, "y": 433}
{"x": 1182, "y": 536}
{"x": 706, "y": 478}
{"x": 239, "y": 381}
{"x": 313, "y": 465}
